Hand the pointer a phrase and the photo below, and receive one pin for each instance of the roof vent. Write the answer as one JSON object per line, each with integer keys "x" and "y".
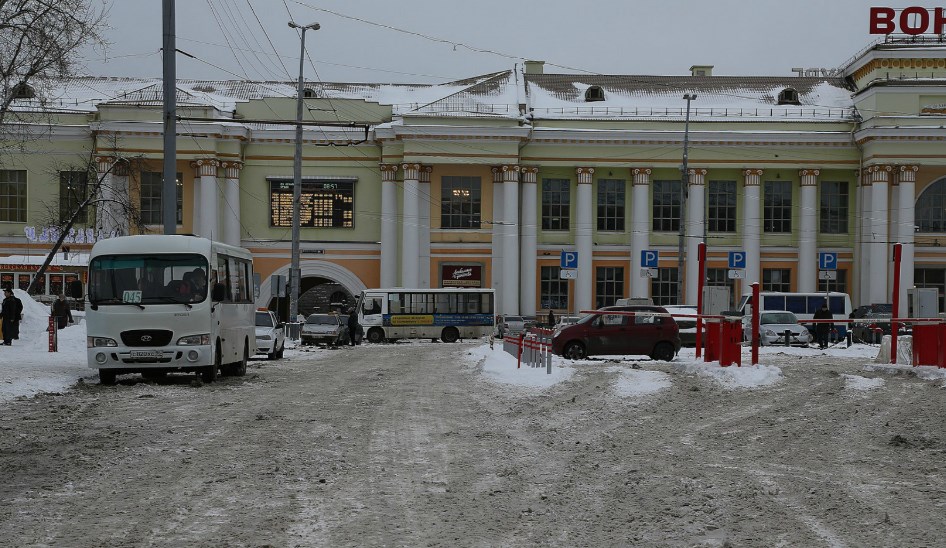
{"x": 788, "y": 96}
{"x": 534, "y": 67}
{"x": 308, "y": 93}
{"x": 23, "y": 91}
{"x": 594, "y": 93}
{"x": 701, "y": 70}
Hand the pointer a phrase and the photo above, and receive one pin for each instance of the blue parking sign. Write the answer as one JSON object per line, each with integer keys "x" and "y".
{"x": 827, "y": 261}
{"x": 737, "y": 259}
{"x": 569, "y": 259}
{"x": 649, "y": 258}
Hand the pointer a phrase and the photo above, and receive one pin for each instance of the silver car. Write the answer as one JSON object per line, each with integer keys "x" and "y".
{"x": 772, "y": 327}
{"x": 324, "y": 329}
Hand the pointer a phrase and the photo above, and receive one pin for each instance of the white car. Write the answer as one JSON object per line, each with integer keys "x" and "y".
{"x": 270, "y": 335}
{"x": 510, "y": 325}
{"x": 772, "y": 327}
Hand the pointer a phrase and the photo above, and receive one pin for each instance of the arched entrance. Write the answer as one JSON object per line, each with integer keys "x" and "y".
{"x": 325, "y": 286}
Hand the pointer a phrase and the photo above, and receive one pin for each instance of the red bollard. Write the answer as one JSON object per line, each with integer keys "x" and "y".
{"x": 713, "y": 333}
{"x": 53, "y": 341}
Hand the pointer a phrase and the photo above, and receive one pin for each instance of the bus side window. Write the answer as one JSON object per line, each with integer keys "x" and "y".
{"x": 372, "y": 305}
{"x": 394, "y": 303}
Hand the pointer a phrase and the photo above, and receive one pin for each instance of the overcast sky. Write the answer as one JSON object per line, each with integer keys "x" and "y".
{"x": 738, "y": 37}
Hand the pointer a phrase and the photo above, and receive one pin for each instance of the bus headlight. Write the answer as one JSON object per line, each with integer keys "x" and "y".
{"x": 194, "y": 340}
{"x": 95, "y": 342}
{"x": 101, "y": 357}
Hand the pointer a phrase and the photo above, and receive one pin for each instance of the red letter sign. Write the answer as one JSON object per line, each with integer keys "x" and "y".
{"x": 881, "y": 20}
{"x": 922, "y": 18}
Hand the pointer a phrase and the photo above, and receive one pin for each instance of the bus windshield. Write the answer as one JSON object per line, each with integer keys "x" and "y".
{"x": 147, "y": 279}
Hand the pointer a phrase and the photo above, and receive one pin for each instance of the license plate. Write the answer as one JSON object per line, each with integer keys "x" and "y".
{"x": 146, "y": 354}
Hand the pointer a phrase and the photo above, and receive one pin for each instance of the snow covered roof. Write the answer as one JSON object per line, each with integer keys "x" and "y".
{"x": 718, "y": 97}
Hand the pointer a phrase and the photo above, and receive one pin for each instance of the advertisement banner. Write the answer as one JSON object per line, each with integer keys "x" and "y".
{"x": 452, "y": 275}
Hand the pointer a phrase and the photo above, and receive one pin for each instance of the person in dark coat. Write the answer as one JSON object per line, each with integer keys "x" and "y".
{"x": 61, "y": 312}
{"x": 551, "y": 318}
{"x": 353, "y": 327}
{"x": 823, "y": 329}
{"x": 10, "y": 312}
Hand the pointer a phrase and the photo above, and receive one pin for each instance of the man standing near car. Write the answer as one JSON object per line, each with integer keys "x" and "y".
{"x": 352, "y": 326}
{"x": 823, "y": 329}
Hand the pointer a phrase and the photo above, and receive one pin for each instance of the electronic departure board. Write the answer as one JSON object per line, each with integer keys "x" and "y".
{"x": 324, "y": 204}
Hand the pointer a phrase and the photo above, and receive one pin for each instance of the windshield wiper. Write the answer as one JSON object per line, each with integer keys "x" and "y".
{"x": 167, "y": 299}
{"x": 114, "y": 300}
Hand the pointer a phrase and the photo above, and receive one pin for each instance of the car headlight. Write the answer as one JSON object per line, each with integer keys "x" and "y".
{"x": 768, "y": 333}
{"x": 194, "y": 340}
{"x": 264, "y": 337}
{"x": 94, "y": 342}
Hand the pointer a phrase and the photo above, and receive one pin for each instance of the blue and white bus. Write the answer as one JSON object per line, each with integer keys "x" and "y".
{"x": 162, "y": 303}
{"x": 445, "y": 314}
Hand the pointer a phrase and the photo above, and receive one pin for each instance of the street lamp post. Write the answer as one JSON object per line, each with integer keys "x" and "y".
{"x": 683, "y": 198}
{"x": 295, "y": 273}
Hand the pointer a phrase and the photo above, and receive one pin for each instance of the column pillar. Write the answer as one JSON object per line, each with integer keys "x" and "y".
{"x": 106, "y": 210}
{"x": 496, "y": 230}
{"x": 752, "y": 231}
{"x": 529, "y": 242}
{"x": 864, "y": 215}
{"x": 640, "y": 229}
{"x": 231, "y": 198}
{"x": 880, "y": 177}
{"x": 510, "y": 302}
{"x": 808, "y": 233}
{"x": 410, "y": 234}
{"x": 696, "y": 220}
{"x": 425, "y": 201}
{"x": 583, "y": 241}
{"x": 206, "y": 169}
{"x": 388, "y": 225}
{"x": 906, "y": 191}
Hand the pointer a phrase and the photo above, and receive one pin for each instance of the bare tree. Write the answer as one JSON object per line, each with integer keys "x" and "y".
{"x": 39, "y": 42}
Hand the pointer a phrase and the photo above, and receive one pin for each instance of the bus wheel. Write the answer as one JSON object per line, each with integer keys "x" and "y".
{"x": 450, "y": 335}
{"x": 375, "y": 335}
{"x": 239, "y": 368}
{"x": 209, "y": 373}
{"x": 107, "y": 377}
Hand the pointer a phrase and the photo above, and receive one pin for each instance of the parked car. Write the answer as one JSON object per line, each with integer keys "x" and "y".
{"x": 644, "y": 333}
{"x": 871, "y": 322}
{"x": 326, "y": 329}
{"x": 270, "y": 335}
{"x": 566, "y": 320}
{"x": 509, "y": 325}
{"x": 687, "y": 325}
{"x": 772, "y": 327}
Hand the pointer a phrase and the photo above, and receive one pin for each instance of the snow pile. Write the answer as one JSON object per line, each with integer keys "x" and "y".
{"x": 500, "y": 367}
{"x": 638, "y": 382}
{"x": 747, "y": 376}
{"x": 28, "y": 368}
{"x": 856, "y": 382}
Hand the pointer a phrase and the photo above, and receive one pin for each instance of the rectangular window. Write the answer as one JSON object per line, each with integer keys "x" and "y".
{"x": 152, "y": 190}
{"x": 667, "y": 198}
{"x": 553, "y": 290}
{"x": 839, "y": 285}
{"x": 13, "y": 195}
{"x": 459, "y": 202}
{"x": 663, "y": 288}
{"x": 73, "y": 190}
{"x": 777, "y": 207}
{"x": 609, "y": 285}
{"x": 556, "y": 204}
{"x": 719, "y": 277}
{"x": 776, "y": 279}
{"x": 721, "y": 206}
{"x": 611, "y": 205}
{"x": 323, "y": 204}
{"x": 834, "y": 207}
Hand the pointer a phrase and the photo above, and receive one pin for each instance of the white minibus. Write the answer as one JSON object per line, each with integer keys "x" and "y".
{"x": 447, "y": 314}
{"x": 163, "y": 303}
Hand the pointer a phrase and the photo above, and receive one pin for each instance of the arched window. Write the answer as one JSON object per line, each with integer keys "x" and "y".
{"x": 594, "y": 93}
{"x": 788, "y": 96}
{"x": 309, "y": 93}
{"x": 23, "y": 91}
{"x": 931, "y": 208}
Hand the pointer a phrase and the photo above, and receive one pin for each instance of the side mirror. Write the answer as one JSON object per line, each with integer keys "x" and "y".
{"x": 219, "y": 292}
{"x": 75, "y": 289}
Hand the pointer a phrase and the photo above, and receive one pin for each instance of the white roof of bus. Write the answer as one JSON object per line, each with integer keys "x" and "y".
{"x": 161, "y": 243}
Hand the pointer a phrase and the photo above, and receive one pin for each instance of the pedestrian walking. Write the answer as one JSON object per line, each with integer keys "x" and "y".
{"x": 353, "y": 327}
{"x": 823, "y": 329}
{"x": 61, "y": 312}
{"x": 551, "y": 318}
{"x": 11, "y": 311}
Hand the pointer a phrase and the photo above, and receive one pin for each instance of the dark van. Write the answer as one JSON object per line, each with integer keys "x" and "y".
{"x": 600, "y": 333}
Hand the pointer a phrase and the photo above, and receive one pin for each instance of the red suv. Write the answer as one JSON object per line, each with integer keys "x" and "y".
{"x": 643, "y": 333}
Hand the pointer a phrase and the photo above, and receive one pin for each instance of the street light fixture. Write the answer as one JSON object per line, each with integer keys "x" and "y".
{"x": 683, "y": 197}
{"x": 295, "y": 273}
